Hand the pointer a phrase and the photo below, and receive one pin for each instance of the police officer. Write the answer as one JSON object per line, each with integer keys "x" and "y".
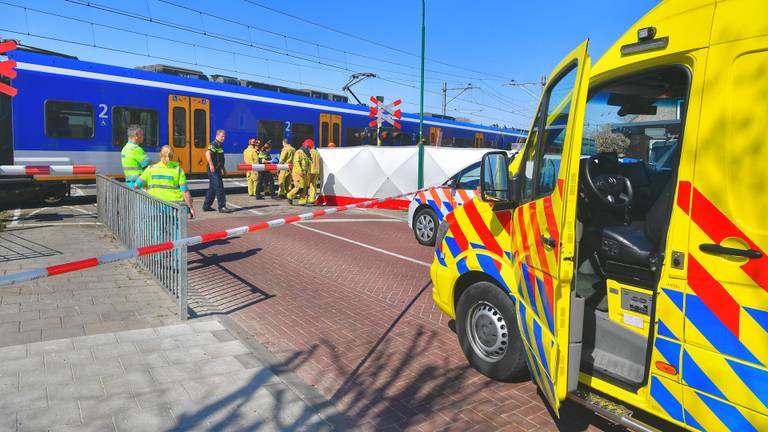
{"x": 166, "y": 180}
{"x": 250, "y": 156}
{"x": 299, "y": 172}
{"x": 265, "y": 177}
{"x": 314, "y": 172}
{"x": 283, "y": 177}
{"x": 132, "y": 156}
{"x": 215, "y": 170}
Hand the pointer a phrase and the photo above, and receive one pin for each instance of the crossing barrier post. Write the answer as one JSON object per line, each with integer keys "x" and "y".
{"x": 137, "y": 219}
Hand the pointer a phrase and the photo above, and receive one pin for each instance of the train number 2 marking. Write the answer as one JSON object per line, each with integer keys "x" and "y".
{"x": 103, "y": 113}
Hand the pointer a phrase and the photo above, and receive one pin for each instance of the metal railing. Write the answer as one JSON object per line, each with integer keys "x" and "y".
{"x": 138, "y": 219}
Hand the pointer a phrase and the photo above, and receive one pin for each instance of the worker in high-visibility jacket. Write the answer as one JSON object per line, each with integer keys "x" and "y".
{"x": 283, "y": 177}
{"x": 132, "y": 156}
{"x": 251, "y": 156}
{"x": 299, "y": 172}
{"x": 166, "y": 180}
{"x": 314, "y": 172}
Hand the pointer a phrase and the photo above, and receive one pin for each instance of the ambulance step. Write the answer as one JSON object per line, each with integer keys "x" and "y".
{"x": 610, "y": 410}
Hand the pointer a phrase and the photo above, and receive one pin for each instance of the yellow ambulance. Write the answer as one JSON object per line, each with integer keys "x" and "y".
{"x": 619, "y": 260}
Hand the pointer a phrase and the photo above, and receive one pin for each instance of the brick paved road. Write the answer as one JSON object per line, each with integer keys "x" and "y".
{"x": 364, "y": 321}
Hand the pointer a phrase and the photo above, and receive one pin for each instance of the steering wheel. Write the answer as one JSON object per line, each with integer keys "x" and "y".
{"x": 614, "y": 190}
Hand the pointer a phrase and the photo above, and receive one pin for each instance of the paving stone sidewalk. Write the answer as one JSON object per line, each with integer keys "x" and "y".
{"x": 103, "y": 350}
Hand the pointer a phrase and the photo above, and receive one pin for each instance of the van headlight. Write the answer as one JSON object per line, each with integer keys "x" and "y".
{"x": 442, "y": 230}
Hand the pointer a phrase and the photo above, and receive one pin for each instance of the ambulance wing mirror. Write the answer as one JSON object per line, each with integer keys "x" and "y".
{"x": 494, "y": 177}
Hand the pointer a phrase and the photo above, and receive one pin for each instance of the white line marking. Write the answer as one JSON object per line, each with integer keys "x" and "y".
{"x": 386, "y": 252}
{"x": 35, "y": 212}
{"x": 78, "y": 192}
{"x": 15, "y": 218}
{"x": 256, "y": 212}
{"x": 81, "y": 210}
{"x": 351, "y": 220}
{"x": 42, "y": 224}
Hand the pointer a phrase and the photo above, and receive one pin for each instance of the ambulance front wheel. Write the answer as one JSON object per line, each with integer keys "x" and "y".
{"x": 425, "y": 226}
{"x": 486, "y": 324}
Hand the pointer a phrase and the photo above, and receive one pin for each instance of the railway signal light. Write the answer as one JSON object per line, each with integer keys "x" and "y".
{"x": 7, "y": 68}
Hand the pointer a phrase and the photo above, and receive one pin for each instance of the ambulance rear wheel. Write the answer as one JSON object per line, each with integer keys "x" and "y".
{"x": 486, "y": 325}
{"x": 425, "y": 227}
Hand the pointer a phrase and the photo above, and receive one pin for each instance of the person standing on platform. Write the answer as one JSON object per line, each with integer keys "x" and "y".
{"x": 215, "y": 170}
{"x": 251, "y": 156}
{"x": 166, "y": 180}
{"x": 132, "y": 156}
{"x": 299, "y": 173}
{"x": 284, "y": 177}
{"x": 265, "y": 177}
{"x": 314, "y": 172}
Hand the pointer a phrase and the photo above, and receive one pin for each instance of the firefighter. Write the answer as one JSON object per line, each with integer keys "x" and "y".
{"x": 299, "y": 173}
{"x": 265, "y": 177}
{"x": 166, "y": 180}
{"x": 284, "y": 177}
{"x": 314, "y": 172}
{"x": 132, "y": 156}
{"x": 250, "y": 156}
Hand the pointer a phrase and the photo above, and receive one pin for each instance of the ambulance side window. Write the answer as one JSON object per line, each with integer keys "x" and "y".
{"x": 541, "y": 166}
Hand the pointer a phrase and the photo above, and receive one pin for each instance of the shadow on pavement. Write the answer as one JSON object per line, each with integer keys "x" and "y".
{"x": 215, "y": 289}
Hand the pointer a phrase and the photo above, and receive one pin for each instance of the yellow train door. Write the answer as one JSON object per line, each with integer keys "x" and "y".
{"x": 435, "y": 136}
{"x": 178, "y": 129}
{"x": 201, "y": 120}
{"x": 330, "y": 129}
{"x": 479, "y": 139}
{"x": 188, "y": 121}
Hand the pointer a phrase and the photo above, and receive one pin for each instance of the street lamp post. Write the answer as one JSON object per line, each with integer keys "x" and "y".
{"x": 421, "y": 100}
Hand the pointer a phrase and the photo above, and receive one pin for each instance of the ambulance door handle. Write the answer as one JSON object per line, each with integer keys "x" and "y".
{"x": 722, "y": 250}
{"x": 549, "y": 242}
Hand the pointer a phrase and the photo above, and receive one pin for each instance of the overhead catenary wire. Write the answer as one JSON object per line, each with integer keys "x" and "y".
{"x": 379, "y": 44}
{"x": 249, "y": 43}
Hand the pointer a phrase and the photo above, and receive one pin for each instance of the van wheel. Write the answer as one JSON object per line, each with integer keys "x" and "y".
{"x": 425, "y": 227}
{"x": 486, "y": 324}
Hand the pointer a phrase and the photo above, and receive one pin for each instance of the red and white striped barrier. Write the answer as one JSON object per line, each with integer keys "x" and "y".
{"x": 29, "y": 170}
{"x": 29, "y": 275}
{"x": 264, "y": 167}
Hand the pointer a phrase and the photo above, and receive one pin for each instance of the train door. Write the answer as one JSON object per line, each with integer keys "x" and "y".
{"x": 330, "y": 129}
{"x": 435, "y": 136}
{"x": 201, "y": 119}
{"x": 479, "y": 139}
{"x": 188, "y": 122}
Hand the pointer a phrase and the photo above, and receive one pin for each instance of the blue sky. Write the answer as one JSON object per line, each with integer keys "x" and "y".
{"x": 484, "y": 43}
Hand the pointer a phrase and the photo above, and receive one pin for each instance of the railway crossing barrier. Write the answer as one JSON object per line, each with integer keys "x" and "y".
{"x": 9, "y": 170}
{"x": 264, "y": 167}
{"x": 180, "y": 243}
{"x": 136, "y": 218}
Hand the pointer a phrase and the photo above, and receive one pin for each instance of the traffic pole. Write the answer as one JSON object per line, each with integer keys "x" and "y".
{"x": 420, "y": 183}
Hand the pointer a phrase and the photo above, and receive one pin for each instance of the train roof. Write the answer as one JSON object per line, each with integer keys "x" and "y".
{"x": 49, "y": 63}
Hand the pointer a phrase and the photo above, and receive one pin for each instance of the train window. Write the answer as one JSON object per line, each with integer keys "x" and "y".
{"x": 355, "y": 137}
{"x": 68, "y": 119}
{"x": 122, "y": 117}
{"x": 323, "y": 134}
{"x": 270, "y": 130}
{"x": 336, "y": 134}
{"x": 179, "y": 127}
{"x": 301, "y": 132}
{"x": 200, "y": 132}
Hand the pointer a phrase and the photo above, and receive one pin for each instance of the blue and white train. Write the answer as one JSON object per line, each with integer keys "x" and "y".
{"x": 69, "y": 111}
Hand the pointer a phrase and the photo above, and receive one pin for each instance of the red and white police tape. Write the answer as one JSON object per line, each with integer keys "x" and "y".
{"x": 264, "y": 167}
{"x": 47, "y": 170}
{"x": 29, "y": 275}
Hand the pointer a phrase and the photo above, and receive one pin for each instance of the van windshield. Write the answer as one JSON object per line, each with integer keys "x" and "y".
{"x": 639, "y": 118}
